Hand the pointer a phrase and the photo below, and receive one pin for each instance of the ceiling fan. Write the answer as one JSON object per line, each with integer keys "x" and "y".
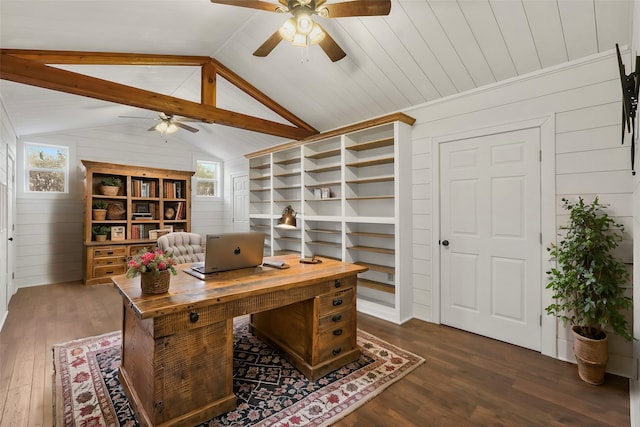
{"x": 168, "y": 123}
{"x": 301, "y": 30}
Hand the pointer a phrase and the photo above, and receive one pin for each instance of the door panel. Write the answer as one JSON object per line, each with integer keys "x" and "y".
{"x": 490, "y": 215}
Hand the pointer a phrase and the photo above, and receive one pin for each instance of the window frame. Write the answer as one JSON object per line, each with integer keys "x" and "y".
{"x": 217, "y": 181}
{"x": 24, "y": 187}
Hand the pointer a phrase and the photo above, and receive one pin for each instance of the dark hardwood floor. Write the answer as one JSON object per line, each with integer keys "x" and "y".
{"x": 466, "y": 380}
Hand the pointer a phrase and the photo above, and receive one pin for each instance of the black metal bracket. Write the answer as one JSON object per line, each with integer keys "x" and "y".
{"x": 630, "y": 85}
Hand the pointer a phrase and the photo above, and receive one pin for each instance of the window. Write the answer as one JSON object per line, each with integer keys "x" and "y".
{"x": 207, "y": 179}
{"x": 46, "y": 168}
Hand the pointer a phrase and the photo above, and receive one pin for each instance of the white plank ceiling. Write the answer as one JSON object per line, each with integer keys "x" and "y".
{"x": 424, "y": 50}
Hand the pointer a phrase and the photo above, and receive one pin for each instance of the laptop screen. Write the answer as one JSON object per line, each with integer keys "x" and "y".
{"x": 231, "y": 251}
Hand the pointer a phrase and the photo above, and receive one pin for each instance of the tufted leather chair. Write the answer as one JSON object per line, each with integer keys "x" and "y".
{"x": 185, "y": 247}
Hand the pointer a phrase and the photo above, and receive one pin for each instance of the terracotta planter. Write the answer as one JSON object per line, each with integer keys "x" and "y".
{"x": 152, "y": 283}
{"x": 592, "y": 356}
{"x": 109, "y": 190}
{"x": 99, "y": 214}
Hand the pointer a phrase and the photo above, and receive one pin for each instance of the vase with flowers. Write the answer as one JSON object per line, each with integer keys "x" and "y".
{"x": 154, "y": 267}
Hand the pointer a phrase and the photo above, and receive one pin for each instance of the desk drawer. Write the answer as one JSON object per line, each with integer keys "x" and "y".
{"x": 101, "y": 262}
{"x": 331, "y": 345}
{"x": 335, "y": 302}
{"x": 109, "y": 270}
{"x": 116, "y": 251}
{"x": 336, "y": 319}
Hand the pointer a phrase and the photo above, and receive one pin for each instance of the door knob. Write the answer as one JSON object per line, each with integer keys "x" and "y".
{"x": 445, "y": 243}
{"x": 11, "y": 239}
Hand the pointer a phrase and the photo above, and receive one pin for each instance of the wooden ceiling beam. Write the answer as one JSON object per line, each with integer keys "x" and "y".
{"x": 128, "y": 95}
{"x": 35, "y": 73}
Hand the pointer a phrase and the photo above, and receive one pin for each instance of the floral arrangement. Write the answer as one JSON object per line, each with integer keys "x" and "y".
{"x": 153, "y": 261}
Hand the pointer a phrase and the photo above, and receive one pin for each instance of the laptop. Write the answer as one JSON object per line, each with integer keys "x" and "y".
{"x": 229, "y": 251}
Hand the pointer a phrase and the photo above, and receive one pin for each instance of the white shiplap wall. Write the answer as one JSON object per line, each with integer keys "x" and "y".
{"x": 584, "y": 96}
{"x": 49, "y": 228}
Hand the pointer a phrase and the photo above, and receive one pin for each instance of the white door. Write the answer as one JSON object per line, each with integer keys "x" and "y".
{"x": 240, "y": 202}
{"x": 11, "y": 167}
{"x": 490, "y": 236}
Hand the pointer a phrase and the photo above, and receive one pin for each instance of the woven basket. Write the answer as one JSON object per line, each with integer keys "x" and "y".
{"x": 109, "y": 190}
{"x": 592, "y": 356}
{"x": 152, "y": 283}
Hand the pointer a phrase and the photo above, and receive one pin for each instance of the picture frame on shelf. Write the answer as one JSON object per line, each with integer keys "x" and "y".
{"x": 154, "y": 234}
{"x": 117, "y": 233}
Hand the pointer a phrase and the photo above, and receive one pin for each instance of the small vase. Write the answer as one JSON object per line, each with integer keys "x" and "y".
{"x": 153, "y": 283}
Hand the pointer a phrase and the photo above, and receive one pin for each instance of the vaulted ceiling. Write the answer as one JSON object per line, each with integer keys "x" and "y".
{"x": 422, "y": 51}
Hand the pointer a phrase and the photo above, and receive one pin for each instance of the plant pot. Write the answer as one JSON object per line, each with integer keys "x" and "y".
{"x": 99, "y": 214}
{"x": 592, "y": 356}
{"x": 152, "y": 283}
{"x": 101, "y": 237}
{"x": 109, "y": 190}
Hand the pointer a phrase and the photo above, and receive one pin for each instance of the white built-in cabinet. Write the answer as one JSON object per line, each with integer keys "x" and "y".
{"x": 352, "y": 196}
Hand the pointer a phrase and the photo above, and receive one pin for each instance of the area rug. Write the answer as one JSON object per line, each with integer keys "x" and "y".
{"x": 269, "y": 390}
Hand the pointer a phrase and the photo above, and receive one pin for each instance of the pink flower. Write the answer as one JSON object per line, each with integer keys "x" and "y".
{"x": 162, "y": 265}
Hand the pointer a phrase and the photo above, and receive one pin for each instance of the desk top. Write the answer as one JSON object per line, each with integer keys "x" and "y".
{"x": 187, "y": 292}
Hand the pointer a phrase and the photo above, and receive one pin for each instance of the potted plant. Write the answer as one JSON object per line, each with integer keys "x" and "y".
{"x": 99, "y": 210}
{"x": 587, "y": 285}
{"x": 110, "y": 185}
{"x": 154, "y": 267}
{"x": 100, "y": 231}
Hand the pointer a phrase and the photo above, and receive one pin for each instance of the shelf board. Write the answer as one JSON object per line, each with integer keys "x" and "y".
{"x": 378, "y": 286}
{"x": 372, "y": 162}
{"x": 288, "y": 187}
{"x": 287, "y": 161}
{"x": 324, "y": 154}
{"x": 286, "y": 252}
{"x": 260, "y": 226}
{"x": 287, "y": 200}
{"x": 372, "y": 249}
{"x": 323, "y": 243}
{"x": 260, "y": 178}
{"x": 370, "y": 198}
{"x": 262, "y": 166}
{"x": 286, "y": 174}
{"x": 364, "y": 234}
{"x": 377, "y": 267}
{"x": 386, "y": 142}
{"x": 257, "y": 190}
{"x": 326, "y": 199}
{"x": 324, "y": 169}
{"x": 371, "y": 180}
{"x": 288, "y": 239}
{"x": 323, "y": 230}
{"x": 323, "y": 184}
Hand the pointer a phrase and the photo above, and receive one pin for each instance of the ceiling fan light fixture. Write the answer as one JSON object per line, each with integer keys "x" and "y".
{"x": 299, "y": 40}
{"x": 288, "y": 30}
{"x": 171, "y": 128}
{"x": 304, "y": 23}
{"x": 162, "y": 126}
{"x": 316, "y": 35}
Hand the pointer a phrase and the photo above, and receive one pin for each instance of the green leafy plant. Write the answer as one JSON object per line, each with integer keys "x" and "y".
{"x": 588, "y": 280}
{"x": 100, "y": 229}
{"x": 153, "y": 261}
{"x": 100, "y": 204}
{"x": 111, "y": 181}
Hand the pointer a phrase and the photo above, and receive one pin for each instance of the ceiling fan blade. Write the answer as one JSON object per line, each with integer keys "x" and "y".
{"x": 359, "y": 8}
{"x": 270, "y": 44}
{"x": 251, "y": 4}
{"x": 186, "y": 127}
{"x": 331, "y": 48}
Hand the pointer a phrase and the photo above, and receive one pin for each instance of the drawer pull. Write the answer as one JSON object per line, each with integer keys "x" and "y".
{"x": 110, "y": 253}
{"x": 337, "y": 332}
{"x": 337, "y": 283}
{"x": 337, "y": 302}
{"x": 109, "y": 272}
{"x": 193, "y": 317}
{"x": 109, "y": 262}
{"x": 336, "y": 351}
{"x": 337, "y": 318}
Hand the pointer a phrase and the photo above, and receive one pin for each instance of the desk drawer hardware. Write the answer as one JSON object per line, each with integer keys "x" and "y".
{"x": 336, "y": 318}
{"x": 193, "y": 317}
{"x": 337, "y": 302}
{"x": 336, "y": 351}
{"x": 337, "y": 283}
{"x": 337, "y": 332}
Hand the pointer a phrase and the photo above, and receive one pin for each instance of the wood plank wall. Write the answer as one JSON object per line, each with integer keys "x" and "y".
{"x": 585, "y": 98}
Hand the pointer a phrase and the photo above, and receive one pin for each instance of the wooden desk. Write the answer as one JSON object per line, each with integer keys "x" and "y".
{"x": 177, "y": 348}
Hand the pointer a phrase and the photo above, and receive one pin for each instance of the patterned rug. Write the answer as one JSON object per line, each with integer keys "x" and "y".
{"x": 269, "y": 390}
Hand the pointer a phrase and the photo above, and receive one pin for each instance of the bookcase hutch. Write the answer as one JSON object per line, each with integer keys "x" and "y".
{"x": 351, "y": 190}
{"x": 149, "y": 199}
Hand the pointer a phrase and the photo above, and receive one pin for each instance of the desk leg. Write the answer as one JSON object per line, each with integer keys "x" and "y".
{"x": 177, "y": 379}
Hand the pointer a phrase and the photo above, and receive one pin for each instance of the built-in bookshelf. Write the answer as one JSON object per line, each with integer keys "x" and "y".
{"x": 352, "y": 195}
{"x": 147, "y": 200}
